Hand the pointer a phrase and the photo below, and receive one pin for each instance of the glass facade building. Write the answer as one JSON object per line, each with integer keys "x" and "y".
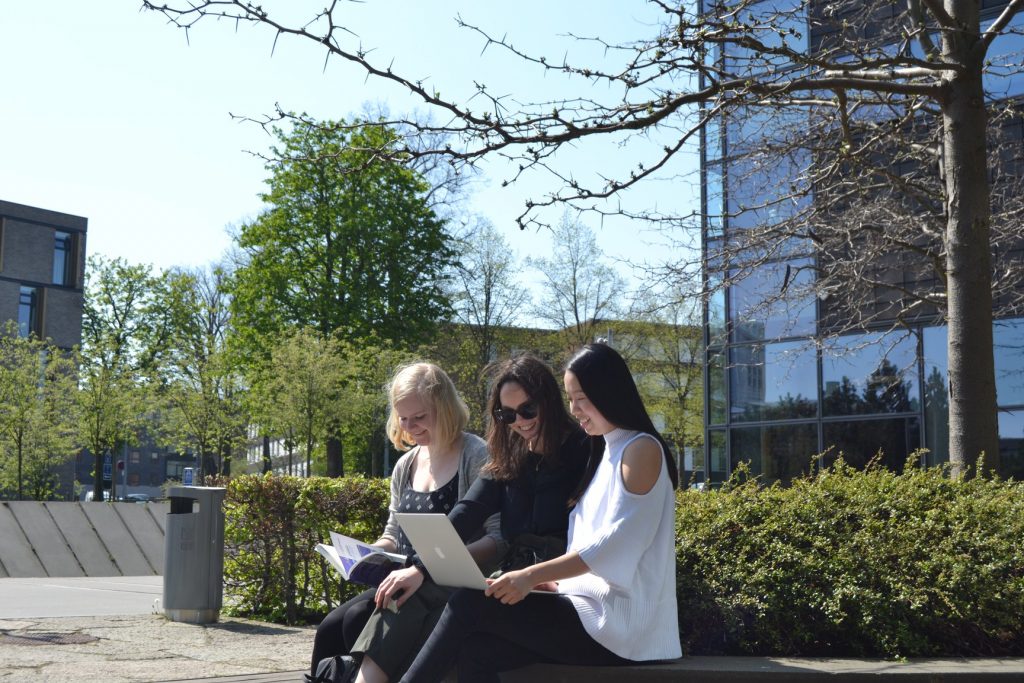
{"x": 782, "y": 393}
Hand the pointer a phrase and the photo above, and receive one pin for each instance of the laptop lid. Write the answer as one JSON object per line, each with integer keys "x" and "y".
{"x": 441, "y": 550}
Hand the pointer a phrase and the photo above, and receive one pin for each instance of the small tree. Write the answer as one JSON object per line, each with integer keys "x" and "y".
{"x": 298, "y": 392}
{"x": 121, "y": 336}
{"x": 579, "y": 287}
{"x": 37, "y": 415}
{"x": 200, "y": 388}
{"x": 487, "y": 297}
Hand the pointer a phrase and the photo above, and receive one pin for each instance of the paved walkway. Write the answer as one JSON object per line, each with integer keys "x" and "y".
{"x": 111, "y": 629}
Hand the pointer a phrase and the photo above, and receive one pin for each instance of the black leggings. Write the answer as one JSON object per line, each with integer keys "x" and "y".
{"x": 484, "y": 637}
{"x": 337, "y": 633}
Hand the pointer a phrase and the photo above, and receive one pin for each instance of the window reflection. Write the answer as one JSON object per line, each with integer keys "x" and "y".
{"x": 716, "y": 311}
{"x": 1008, "y": 348}
{"x": 766, "y": 173}
{"x": 716, "y": 388}
{"x": 1002, "y": 75}
{"x": 719, "y": 471}
{"x": 870, "y": 373}
{"x": 713, "y": 198}
{"x": 774, "y": 301}
{"x": 776, "y": 453}
{"x": 62, "y": 258}
{"x": 28, "y": 312}
{"x": 1011, "y": 444}
{"x": 774, "y": 24}
{"x": 861, "y": 441}
{"x": 936, "y": 396}
{"x": 772, "y": 382}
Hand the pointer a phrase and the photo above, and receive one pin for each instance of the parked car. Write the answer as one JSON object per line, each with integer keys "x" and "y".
{"x": 138, "y": 498}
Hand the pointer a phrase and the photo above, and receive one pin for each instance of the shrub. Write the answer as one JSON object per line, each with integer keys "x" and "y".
{"x": 272, "y": 524}
{"x": 853, "y": 563}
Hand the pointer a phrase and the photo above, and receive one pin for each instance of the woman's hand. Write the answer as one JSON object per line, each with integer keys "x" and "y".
{"x": 398, "y": 586}
{"x": 510, "y": 587}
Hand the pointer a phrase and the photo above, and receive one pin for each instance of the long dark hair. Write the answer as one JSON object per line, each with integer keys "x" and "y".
{"x": 508, "y": 452}
{"x": 609, "y": 386}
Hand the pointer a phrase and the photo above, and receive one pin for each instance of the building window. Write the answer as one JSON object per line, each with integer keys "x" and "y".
{"x": 859, "y": 442}
{"x": 176, "y": 468}
{"x": 774, "y": 300}
{"x": 1011, "y": 443}
{"x": 773, "y": 382}
{"x": 134, "y": 458}
{"x": 62, "y": 258}
{"x": 776, "y": 453}
{"x": 28, "y": 312}
{"x": 869, "y": 374}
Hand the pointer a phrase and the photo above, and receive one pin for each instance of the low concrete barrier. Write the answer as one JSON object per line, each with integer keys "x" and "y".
{"x": 58, "y": 539}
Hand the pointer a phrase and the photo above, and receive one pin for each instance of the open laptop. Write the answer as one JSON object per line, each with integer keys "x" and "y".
{"x": 441, "y": 550}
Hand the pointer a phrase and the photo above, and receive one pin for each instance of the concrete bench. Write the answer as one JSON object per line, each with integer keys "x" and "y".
{"x": 742, "y": 670}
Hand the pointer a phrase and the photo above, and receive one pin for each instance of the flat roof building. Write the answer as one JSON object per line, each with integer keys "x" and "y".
{"x": 42, "y": 266}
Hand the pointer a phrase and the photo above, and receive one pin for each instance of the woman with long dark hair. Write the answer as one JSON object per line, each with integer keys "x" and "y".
{"x": 537, "y": 457}
{"x": 615, "y": 601}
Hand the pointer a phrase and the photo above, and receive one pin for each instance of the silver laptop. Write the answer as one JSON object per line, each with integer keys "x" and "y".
{"x": 441, "y": 550}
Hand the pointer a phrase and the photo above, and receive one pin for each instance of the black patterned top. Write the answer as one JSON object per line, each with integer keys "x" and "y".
{"x": 440, "y": 500}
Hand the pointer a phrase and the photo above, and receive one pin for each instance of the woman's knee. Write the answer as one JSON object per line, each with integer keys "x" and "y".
{"x": 468, "y": 600}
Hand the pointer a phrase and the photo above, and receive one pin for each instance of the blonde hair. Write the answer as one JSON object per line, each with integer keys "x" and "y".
{"x": 435, "y": 388}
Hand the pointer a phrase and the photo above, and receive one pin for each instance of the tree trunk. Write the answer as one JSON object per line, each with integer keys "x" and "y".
{"x": 335, "y": 458}
{"x": 97, "y": 478}
{"x": 267, "y": 464}
{"x": 973, "y": 426}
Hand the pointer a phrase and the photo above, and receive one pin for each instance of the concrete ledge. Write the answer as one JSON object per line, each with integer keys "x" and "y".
{"x": 57, "y": 539}
{"x": 738, "y": 670}
{"x": 781, "y": 670}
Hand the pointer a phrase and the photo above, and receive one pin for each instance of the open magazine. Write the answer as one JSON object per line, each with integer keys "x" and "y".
{"x": 359, "y": 562}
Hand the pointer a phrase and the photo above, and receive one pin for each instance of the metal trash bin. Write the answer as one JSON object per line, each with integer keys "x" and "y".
{"x": 194, "y": 554}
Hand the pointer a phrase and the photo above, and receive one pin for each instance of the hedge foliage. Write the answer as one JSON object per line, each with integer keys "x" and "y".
{"x": 842, "y": 563}
{"x": 853, "y": 563}
{"x": 271, "y": 526}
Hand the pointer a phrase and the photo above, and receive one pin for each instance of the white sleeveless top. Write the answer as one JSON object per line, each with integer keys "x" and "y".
{"x": 627, "y": 601}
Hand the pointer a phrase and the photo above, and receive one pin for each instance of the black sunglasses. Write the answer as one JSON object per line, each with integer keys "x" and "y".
{"x": 527, "y": 411}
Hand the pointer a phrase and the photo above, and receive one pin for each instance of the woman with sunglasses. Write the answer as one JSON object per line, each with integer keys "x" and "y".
{"x": 537, "y": 457}
{"x": 428, "y": 417}
{"x": 616, "y": 584}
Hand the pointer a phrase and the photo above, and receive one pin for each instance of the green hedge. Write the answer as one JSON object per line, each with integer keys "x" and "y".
{"x": 845, "y": 563}
{"x": 853, "y": 563}
{"x": 272, "y": 523}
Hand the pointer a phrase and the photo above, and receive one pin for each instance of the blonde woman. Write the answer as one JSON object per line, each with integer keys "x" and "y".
{"x": 428, "y": 418}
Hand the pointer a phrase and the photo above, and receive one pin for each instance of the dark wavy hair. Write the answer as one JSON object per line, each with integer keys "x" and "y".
{"x": 508, "y": 452}
{"x": 606, "y": 380}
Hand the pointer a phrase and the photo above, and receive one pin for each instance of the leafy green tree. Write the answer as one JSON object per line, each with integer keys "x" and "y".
{"x": 348, "y": 244}
{"x": 297, "y": 393}
{"x": 368, "y": 368}
{"x": 122, "y": 334}
{"x": 665, "y": 351}
{"x": 37, "y": 415}
{"x": 314, "y": 387}
{"x": 200, "y": 388}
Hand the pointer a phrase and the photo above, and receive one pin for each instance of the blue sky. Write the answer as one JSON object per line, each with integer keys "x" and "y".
{"x": 109, "y": 113}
